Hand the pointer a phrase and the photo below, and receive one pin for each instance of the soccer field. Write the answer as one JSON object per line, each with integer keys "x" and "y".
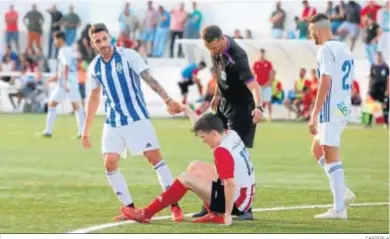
{"x": 53, "y": 185}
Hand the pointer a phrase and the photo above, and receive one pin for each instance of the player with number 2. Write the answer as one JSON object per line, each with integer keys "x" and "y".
{"x": 331, "y": 110}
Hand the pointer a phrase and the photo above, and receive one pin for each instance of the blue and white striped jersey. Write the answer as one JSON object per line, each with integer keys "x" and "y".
{"x": 120, "y": 81}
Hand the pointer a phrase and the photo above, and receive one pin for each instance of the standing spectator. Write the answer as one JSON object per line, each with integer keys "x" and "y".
{"x": 383, "y": 20}
{"x": 237, "y": 34}
{"x": 149, "y": 27}
{"x": 307, "y": 11}
{"x": 128, "y": 22}
{"x": 11, "y": 27}
{"x": 351, "y": 26}
{"x": 370, "y": 9}
{"x": 34, "y": 21}
{"x": 263, "y": 72}
{"x": 192, "y": 28}
{"x": 162, "y": 32}
{"x": 277, "y": 19}
{"x": 178, "y": 20}
{"x": 248, "y": 34}
{"x": 371, "y": 36}
{"x": 336, "y": 18}
{"x": 55, "y": 26}
{"x": 302, "y": 27}
{"x": 70, "y": 22}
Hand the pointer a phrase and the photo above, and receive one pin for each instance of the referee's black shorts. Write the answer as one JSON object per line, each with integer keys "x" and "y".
{"x": 238, "y": 117}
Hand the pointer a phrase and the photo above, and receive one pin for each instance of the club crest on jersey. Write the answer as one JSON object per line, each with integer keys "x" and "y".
{"x": 118, "y": 67}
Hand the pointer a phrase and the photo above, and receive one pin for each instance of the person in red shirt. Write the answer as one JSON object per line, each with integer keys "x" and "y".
{"x": 125, "y": 41}
{"x": 356, "y": 99}
{"x": 308, "y": 11}
{"x": 11, "y": 27}
{"x": 314, "y": 82}
{"x": 263, "y": 71}
{"x": 227, "y": 187}
{"x": 370, "y": 9}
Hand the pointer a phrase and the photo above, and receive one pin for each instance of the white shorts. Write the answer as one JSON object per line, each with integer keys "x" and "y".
{"x": 266, "y": 93}
{"x": 137, "y": 137}
{"x": 59, "y": 94}
{"x": 329, "y": 133}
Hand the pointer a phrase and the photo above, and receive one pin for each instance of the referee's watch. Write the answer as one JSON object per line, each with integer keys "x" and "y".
{"x": 260, "y": 108}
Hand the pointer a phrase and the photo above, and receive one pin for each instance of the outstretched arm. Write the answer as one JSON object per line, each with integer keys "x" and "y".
{"x": 191, "y": 114}
{"x": 156, "y": 87}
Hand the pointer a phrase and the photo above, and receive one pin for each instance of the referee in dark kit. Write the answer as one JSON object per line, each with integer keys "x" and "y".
{"x": 237, "y": 99}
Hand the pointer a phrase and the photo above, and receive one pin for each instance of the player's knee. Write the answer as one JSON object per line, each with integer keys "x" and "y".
{"x": 111, "y": 162}
{"x": 193, "y": 167}
{"x": 153, "y": 156}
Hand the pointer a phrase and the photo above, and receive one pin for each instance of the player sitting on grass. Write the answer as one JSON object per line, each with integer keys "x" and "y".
{"x": 227, "y": 188}
{"x": 189, "y": 77}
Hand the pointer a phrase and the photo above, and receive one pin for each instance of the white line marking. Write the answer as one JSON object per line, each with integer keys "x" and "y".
{"x": 115, "y": 224}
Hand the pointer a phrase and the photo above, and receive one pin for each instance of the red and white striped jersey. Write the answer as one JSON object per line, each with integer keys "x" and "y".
{"x": 232, "y": 160}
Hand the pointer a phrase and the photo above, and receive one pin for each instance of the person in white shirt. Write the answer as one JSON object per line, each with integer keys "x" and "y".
{"x": 331, "y": 108}
{"x": 67, "y": 86}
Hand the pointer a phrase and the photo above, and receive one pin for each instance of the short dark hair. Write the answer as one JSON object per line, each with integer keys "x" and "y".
{"x": 211, "y": 33}
{"x": 98, "y": 27}
{"x": 202, "y": 63}
{"x": 209, "y": 122}
{"x": 318, "y": 17}
{"x": 378, "y": 53}
{"x": 262, "y": 50}
{"x": 59, "y": 35}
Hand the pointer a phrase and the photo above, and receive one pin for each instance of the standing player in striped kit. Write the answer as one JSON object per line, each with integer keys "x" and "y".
{"x": 117, "y": 71}
{"x": 67, "y": 86}
{"x": 332, "y": 108}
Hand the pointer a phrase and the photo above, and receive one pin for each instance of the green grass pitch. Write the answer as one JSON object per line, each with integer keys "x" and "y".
{"x": 53, "y": 185}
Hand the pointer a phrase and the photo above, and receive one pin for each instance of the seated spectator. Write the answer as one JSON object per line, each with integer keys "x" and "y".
{"x": 314, "y": 83}
{"x": 277, "y": 91}
{"x": 307, "y": 103}
{"x": 7, "y": 67}
{"x": 12, "y": 55}
{"x": 27, "y": 86}
{"x": 356, "y": 99}
{"x": 237, "y": 34}
{"x": 125, "y": 41}
{"x": 294, "y": 99}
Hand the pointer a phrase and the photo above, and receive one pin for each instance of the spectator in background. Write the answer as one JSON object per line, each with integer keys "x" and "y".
{"x": 336, "y": 18}
{"x": 84, "y": 46}
{"x": 194, "y": 22}
{"x": 278, "y": 17}
{"x": 356, "y": 99}
{"x": 237, "y": 34}
{"x": 55, "y": 26}
{"x": 7, "y": 66}
{"x": 294, "y": 98}
{"x": 128, "y": 22}
{"x": 371, "y": 36}
{"x": 13, "y": 56}
{"x": 149, "y": 27}
{"x": 71, "y": 22}
{"x": 350, "y": 27}
{"x": 11, "y": 27}
{"x": 34, "y": 21}
{"x": 125, "y": 41}
{"x": 314, "y": 83}
{"x": 248, "y": 34}
{"x": 82, "y": 78}
{"x": 162, "y": 32}
{"x": 263, "y": 72}
{"x": 307, "y": 11}
{"x": 178, "y": 20}
{"x": 277, "y": 91}
{"x": 302, "y": 26}
{"x": 383, "y": 20}
{"x": 370, "y": 9}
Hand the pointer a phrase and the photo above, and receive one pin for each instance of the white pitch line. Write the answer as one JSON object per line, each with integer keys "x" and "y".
{"x": 115, "y": 224}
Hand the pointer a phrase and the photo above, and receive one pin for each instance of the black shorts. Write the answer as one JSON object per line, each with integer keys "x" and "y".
{"x": 239, "y": 118}
{"x": 184, "y": 85}
{"x": 208, "y": 97}
{"x": 378, "y": 95}
{"x": 217, "y": 201}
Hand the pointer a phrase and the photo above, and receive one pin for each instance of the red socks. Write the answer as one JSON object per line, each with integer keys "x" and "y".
{"x": 171, "y": 196}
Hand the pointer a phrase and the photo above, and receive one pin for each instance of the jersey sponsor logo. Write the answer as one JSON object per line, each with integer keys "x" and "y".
{"x": 343, "y": 109}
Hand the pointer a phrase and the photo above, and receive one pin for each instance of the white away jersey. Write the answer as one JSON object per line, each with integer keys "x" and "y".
{"x": 335, "y": 60}
{"x": 67, "y": 57}
{"x": 120, "y": 82}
